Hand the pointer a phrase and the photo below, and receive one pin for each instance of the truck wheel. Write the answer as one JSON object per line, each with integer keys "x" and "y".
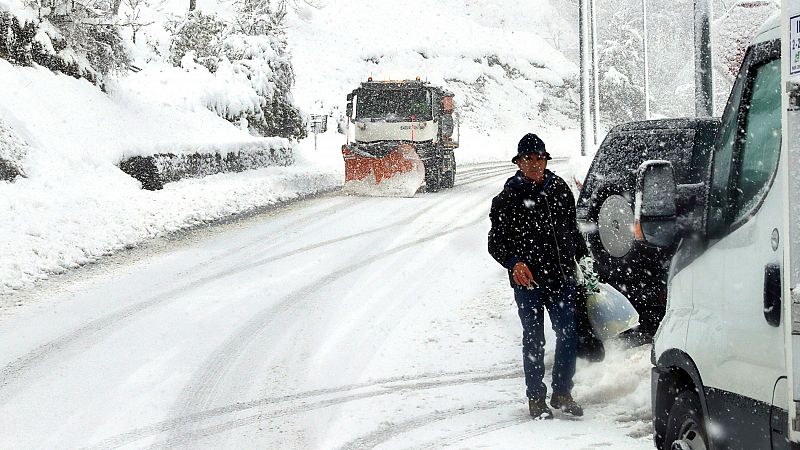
{"x": 449, "y": 177}
{"x": 685, "y": 429}
{"x": 433, "y": 178}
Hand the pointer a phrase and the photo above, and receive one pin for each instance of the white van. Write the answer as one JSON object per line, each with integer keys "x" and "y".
{"x": 720, "y": 355}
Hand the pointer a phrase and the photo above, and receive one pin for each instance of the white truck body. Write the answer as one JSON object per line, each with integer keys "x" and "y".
{"x": 727, "y": 354}
{"x": 790, "y": 70}
{"x": 367, "y": 131}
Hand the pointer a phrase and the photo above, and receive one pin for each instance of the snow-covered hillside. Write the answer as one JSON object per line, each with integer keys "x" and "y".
{"x": 495, "y": 56}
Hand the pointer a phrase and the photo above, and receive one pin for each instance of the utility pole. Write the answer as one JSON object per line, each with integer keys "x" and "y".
{"x": 646, "y": 62}
{"x": 595, "y": 73}
{"x": 583, "y": 50}
{"x": 703, "y": 78}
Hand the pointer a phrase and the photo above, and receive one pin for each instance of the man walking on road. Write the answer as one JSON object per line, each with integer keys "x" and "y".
{"x": 535, "y": 236}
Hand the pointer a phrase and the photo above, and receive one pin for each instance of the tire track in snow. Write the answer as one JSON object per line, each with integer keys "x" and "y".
{"x": 14, "y": 370}
{"x": 480, "y": 176}
{"x": 304, "y": 402}
{"x": 232, "y": 348}
{"x": 311, "y": 217}
{"x": 161, "y": 244}
{"x": 388, "y": 431}
{"x": 32, "y": 363}
{"x": 481, "y": 168}
{"x": 482, "y": 165}
{"x": 96, "y": 329}
{"x": 201, "y": 390}
{"x": 498, "y": 169}
{"x": 478, "y": 431}
{"x": 507, "y": 165}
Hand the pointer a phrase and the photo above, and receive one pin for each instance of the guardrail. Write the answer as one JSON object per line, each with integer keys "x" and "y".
{"x": 156, "y": 170}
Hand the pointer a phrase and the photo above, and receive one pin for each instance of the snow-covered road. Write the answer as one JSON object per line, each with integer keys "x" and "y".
{"x": 332, "y": 323}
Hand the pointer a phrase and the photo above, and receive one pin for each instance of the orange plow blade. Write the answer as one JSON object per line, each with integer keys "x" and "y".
{"x": 399, "y": 173}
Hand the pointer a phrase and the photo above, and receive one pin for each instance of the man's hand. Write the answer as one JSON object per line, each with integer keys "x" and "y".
{"x": 522, "y": 275}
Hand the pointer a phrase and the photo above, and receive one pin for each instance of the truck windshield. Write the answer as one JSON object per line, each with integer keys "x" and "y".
{"x": 394, "y": 105}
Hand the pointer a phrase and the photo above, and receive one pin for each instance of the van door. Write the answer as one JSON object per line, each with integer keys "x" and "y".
{"x": 734, "y": 335}
{"x": 790, "y": 72}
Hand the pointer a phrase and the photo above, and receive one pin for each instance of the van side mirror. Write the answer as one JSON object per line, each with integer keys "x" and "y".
{"x": 656, "y": 203}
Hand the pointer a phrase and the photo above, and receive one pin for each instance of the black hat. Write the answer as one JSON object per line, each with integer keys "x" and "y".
{"x": 529, "y": 144}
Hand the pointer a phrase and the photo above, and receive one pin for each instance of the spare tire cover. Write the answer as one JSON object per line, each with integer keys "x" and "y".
{"x": 615, "y": 225}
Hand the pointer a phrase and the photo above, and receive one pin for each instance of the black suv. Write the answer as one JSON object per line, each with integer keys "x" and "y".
{"x": 605, "y": 205}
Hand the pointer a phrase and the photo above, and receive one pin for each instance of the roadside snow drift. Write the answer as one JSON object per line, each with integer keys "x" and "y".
{"x": 76, "y": 205}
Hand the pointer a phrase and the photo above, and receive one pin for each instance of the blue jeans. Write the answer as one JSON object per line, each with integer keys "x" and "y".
{"x": 560, "y": 304}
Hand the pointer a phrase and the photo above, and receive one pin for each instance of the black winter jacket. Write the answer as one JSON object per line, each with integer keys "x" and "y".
{"x": 536, "y": 224}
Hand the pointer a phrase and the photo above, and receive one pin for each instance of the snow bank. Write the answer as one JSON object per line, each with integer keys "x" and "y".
{"x": 76, "y": 205}
{"x": 13, "y": 150}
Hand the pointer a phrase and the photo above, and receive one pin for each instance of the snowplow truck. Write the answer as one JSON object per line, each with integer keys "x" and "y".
{"x": 403, "y": 138}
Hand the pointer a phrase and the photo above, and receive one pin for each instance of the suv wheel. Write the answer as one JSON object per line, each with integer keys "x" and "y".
{"x": 615, "y": 225}
{"x": 685, "y": 429}
{"x": 612, "y": 238}
{"x": 612, "y": 245}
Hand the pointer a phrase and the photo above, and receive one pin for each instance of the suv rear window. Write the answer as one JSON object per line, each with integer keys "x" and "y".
{"x": 620, "y": 155}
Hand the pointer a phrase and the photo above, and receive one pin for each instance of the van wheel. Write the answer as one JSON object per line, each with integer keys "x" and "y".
{"x": 685, "y": 429}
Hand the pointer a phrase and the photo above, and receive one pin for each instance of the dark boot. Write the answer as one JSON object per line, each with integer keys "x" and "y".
{"x": 539, "y": 409}
{"x": 565, "y": 403}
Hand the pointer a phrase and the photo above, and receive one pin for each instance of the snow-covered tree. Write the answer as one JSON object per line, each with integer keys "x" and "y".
{"x": 93, "y": 38}
{"x": 263, "y": 61}
{"x": 250, "y": 50}
{"x": 620, "y": 72}
{"x": 255, "y": 21}
{"x": 201, "y": 34}
{"x": 66, "y": 36}
{"x": 138, "y": 14}
{"x": 261, "y": 17}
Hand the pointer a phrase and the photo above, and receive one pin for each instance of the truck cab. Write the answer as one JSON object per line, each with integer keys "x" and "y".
{"x": 723, "y": 357}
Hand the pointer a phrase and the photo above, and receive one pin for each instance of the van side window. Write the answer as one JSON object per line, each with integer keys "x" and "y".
{"x": 761, "y": 145}
{"x": 719, "y": 195}
{"x": 748, "y": 147}
{"x": 702, "y": 147}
